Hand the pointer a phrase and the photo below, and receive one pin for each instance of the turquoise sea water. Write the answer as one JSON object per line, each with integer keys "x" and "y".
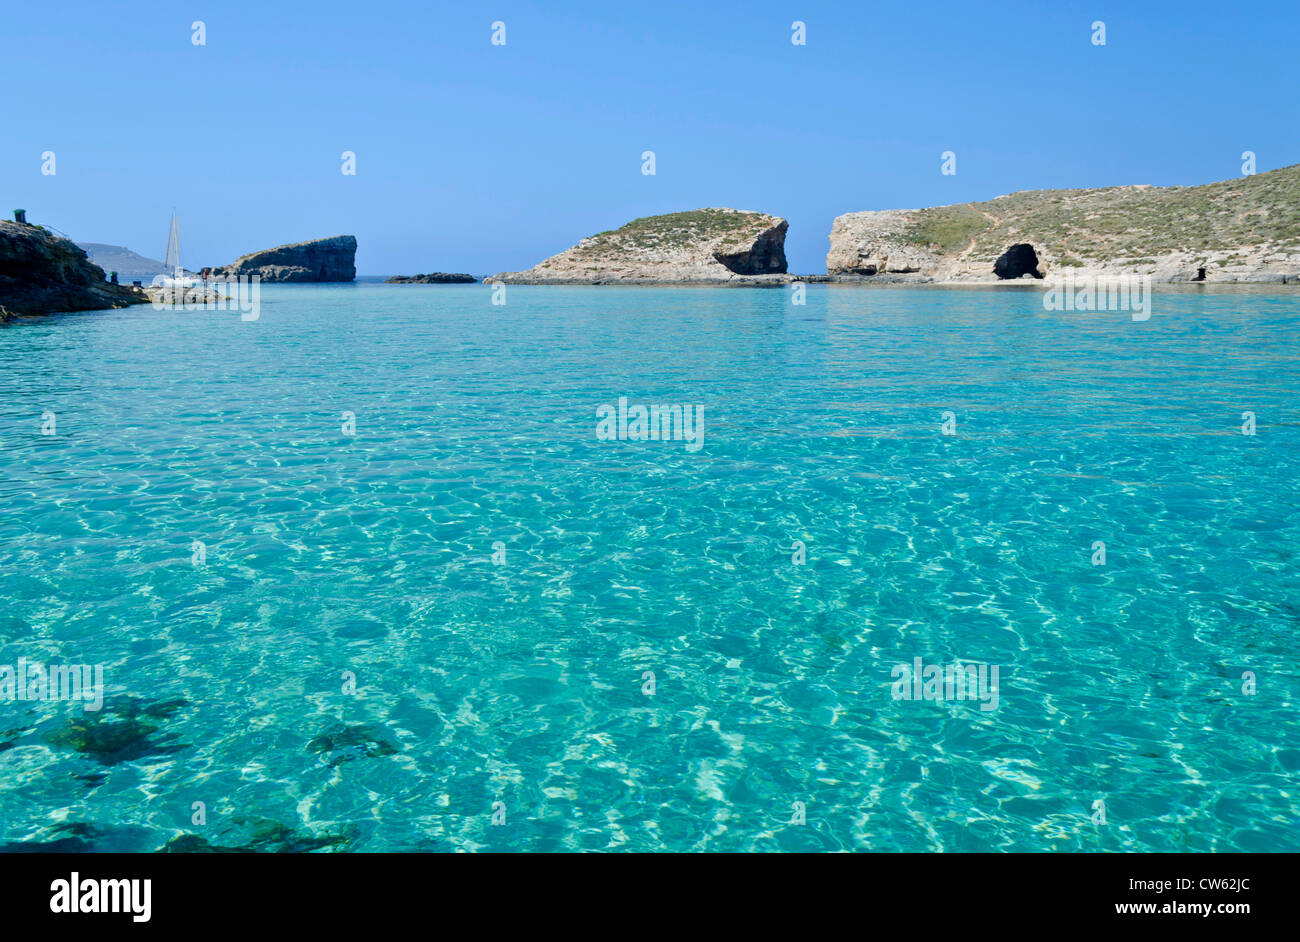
{"x": 522, "y": 682}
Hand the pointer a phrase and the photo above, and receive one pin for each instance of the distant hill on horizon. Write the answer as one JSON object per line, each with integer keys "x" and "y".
{"x": 130, "y": 266}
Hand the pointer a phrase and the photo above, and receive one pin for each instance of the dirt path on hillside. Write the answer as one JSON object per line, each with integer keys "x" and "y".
{"x": 970, "y": 246}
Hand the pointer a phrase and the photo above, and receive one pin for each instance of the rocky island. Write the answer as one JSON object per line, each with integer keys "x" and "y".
{"x": 42, "y": 272}
{"x": 317, "y": 260}
{"x": 1240, "y": 230}
{"x": 130, "y": 266}
{"x": 433, "y": 278}
{"x": 703, "y": 246}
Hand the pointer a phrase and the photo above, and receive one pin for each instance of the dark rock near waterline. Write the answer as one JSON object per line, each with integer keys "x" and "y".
{"x": 317, "y": 260}
{"x": 433, "y": 278}
{"x": 41, "y": 273}
{"x": 1017, "y": 261}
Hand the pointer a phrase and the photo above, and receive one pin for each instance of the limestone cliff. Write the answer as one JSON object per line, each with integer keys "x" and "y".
{"x": 1246, "y": 229}
{"x": 41, "y": 273}
{"x": 332, "y": 259}
{"x": 703, "y": 246}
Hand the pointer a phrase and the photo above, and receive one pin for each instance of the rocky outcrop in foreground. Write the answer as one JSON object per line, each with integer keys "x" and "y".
{"x": 1241, "y": 230}
{"x": 41, "y": 273}
{"x": 703, "y": 246}
{"x": 332, "y": 259}
{"x": 433, "y": 278}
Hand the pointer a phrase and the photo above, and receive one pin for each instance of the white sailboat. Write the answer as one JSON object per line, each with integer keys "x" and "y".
{"x": 176, "y": 277}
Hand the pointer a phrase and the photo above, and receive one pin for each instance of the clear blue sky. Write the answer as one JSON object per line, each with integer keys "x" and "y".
{"x": 481, "y": 158}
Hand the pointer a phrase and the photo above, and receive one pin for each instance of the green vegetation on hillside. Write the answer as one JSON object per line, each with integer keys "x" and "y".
{"x": 1125, "y": 222}
{"x": 947, "y": 228}
{"x": 678, "y": 230}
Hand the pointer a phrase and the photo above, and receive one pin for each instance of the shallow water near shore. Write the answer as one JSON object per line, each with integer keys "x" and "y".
{"x": 520, "y": 680}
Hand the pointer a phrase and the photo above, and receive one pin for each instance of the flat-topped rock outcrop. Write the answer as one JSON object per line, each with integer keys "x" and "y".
{"x": 702, "y": 246}
{"x": 317, "y": 260}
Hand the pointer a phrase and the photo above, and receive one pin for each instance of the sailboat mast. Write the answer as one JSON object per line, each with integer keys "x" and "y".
{"x": 172, "y": 260}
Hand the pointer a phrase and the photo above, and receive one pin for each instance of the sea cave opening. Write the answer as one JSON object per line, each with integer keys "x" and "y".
{"x": 1017, "y": 261}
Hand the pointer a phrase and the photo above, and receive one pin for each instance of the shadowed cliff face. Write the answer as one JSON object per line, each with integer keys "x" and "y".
{"x": 41, "y": 273}
{"x": 765, "y": 257}
{"x": 332, "y": 259}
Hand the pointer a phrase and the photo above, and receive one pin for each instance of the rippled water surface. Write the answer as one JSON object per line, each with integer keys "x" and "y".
{"x": 523, "y": 682}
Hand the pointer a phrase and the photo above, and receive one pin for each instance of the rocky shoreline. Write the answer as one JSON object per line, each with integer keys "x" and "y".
{"x": 734, "y": 281}
{"x": 1240, "y": 231}
{"x": 1244, "y": 230}
{"x": 43, "y": 273}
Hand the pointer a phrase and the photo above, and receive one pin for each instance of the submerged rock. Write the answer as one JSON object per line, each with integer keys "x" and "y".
{"x": 253, "y": 836}
{"x": 345, "y": 743}
{"x": 76, "y": 837}
{"x": 317, "y": 260}
{"x": 122, "y": 732}
{"x": 9, "y": 737}
{"x": 237, "y": 836}
{"x": 41, "y": 273}
{"x": 703, "y": 246}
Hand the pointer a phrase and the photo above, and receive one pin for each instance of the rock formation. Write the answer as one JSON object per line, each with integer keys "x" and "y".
{"x": 876, "y": 243}
{"x": 332, "y": 259}
{"x": 703, "y": 246}
{"x": 433, "y": 278}
{"x": 41, "y": 273}
{"x": 1245, "y": 230}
